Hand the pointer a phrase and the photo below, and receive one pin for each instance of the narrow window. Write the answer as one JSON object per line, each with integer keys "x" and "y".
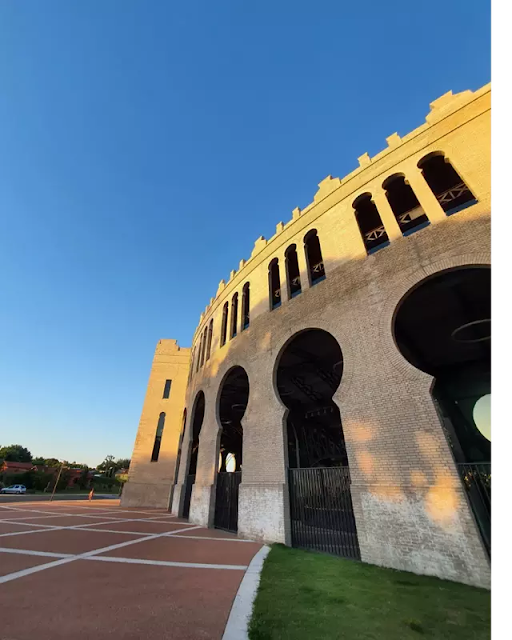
{"x": 370, "y": 225}
{"x": 234, "y": 315}
{"x": 224, "y": 329}
{"x": 314, "y": 257}
{"x": 199, "y": 348}
{"x": 245, "y": 306}
{"x": 210, "y": 335}
{"x": 158, "y": 438}
{"x": 167, "y": 388}
{"x": 448, "y": 187}
{"x": 402, "y": 200}
{"x": 203, "y": 345}
{"x": 292, "y": 271}
{"x": 274, "y": 284}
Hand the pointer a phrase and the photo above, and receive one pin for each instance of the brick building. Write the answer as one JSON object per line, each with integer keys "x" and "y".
{"x": 336, "y": 394}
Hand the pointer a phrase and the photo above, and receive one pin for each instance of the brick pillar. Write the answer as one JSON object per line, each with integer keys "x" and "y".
{"x": 433, "y": 210}
{"x": 386, "y": 214}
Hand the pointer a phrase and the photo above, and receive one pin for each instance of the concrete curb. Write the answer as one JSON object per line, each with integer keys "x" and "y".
{"x": 241, "y": 611}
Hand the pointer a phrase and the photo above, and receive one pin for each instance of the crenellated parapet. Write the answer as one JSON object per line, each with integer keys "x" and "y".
{"x": 335, "y": 218}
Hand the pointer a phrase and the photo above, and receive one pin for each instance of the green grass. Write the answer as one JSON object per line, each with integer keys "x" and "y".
{"x": 307, "y": 596}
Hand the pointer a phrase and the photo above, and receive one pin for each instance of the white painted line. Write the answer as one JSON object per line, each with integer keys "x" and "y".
{"x": 211, "y": 538}
{"x": 29, "y": 552}
{"x": 39, "y": 567}
{"x": 165, "y": 563}
{"x": 131, "y": 533}
{"x": 181, "y": 530}
{"x": 24, "y": 533}
{"x": 241, "y": 611}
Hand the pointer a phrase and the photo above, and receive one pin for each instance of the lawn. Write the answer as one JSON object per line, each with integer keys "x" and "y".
{"x": 307, "y": 596}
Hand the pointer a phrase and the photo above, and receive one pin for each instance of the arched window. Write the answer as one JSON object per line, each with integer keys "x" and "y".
{"x": 158, "y": 437}
{"x": 210, "y": 335}
{"x": 292, "y": 271}
{"x": 314, "y": 258}
{"x": 370, "y": 225}
{"x": 203, "y": 350}
{"x": 448, "y": 187}
{"x": 245, "y": 306}
{"x": 224, "y": 328}
{"x": 234, "y": 315}
{"x": 402, "y": 200}
{"x": 274, "y": 283}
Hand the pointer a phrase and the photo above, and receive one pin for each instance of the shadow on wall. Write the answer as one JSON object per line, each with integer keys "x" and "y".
{"x": 365, "y": 437}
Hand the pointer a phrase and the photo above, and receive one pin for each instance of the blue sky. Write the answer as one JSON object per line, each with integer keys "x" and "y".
{"x": 145, "y": 145}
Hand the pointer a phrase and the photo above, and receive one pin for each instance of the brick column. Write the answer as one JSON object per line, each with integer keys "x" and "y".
{"x": 433, "y": 210}
{"x": 386, "y": 214}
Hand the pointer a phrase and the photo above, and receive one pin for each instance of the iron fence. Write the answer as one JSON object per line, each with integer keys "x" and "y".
{"x": 476, "y": 478}
{"x": 226, "y": 501}
{"x": 189, "y": 483}
{"x": 321, "y": 512}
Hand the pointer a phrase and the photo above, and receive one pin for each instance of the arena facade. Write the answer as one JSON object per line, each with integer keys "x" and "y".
{"x": 336, "y": 394}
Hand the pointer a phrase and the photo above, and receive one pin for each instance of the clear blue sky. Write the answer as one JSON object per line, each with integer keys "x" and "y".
{"x": 145, "y": 145}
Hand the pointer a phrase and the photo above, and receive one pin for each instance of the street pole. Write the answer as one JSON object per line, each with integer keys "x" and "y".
{"x": 56, "y": 482}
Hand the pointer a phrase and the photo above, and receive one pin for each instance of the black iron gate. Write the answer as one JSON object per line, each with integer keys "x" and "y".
{"x": 189, "y": 483}
{"x": 321, "y": 512}
{"x": 477, "y": 481}
{"x": 226, "y": 501}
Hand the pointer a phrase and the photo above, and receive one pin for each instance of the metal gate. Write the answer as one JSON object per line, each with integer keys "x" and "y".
{"x": 321, "y": 512}
{"x": 226, "y": 501}
{"x": 189, "y": 483}
{"x": 476, "y": 478}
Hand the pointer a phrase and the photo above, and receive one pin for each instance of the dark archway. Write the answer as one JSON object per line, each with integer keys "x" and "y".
{"x": 197, "y": 423}
{"x": 452, "y": 193}
{"x": 233, "y": 398}
{"x": 404, "y": 204}
{"x": 370, "y": 225}
{"x": 309, "y": 371}
{"x": 443, "y": 327}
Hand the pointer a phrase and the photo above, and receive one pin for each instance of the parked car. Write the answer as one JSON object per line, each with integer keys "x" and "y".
{"x": 14, "y": 488}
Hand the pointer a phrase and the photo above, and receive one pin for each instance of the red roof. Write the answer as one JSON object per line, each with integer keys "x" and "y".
{"x": 17, "y": 465}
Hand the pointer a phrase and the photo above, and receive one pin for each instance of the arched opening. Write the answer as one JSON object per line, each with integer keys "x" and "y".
{"x": 158, "y": 437}
{"x": 197, "y": 423}
{"x": 448, "y": 187}
{"x": 233, "y": 398}
{"x": 203, "y": 345}
{"x": 443, "y": 327}
{"x": 246, "y": 305}
{"x": 224, "y": 326}
{"x": 210, "y": 335}
{"x": 234, "y": 315}
{"x": 314, "y": 258}
{"x": 274, "y": 283}
{"x": 404, "y": 203}
{"x": 308, "y": 373}
{"x": 292, "y": 271}
{"x": 370, "y": 225}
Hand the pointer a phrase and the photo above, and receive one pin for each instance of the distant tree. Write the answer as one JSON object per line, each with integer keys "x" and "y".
{"x": 83, "y": 481}
{"x": 38, "y": 461}
{"x": 106, "y": 464}
{"x": 15, "y": 453}
{"x": 122, "y": 463}
{"x": 52, "y": 462}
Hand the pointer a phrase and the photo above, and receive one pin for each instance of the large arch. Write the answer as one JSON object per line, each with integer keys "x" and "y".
{"x": 231, "y": 405}
{"x": 308, "y": 372}
{"x": 197, "y": 423}
{"x": 441, "y": 326}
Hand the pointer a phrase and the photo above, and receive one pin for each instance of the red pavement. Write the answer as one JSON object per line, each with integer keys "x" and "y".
{"x": 146, "y": 574}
